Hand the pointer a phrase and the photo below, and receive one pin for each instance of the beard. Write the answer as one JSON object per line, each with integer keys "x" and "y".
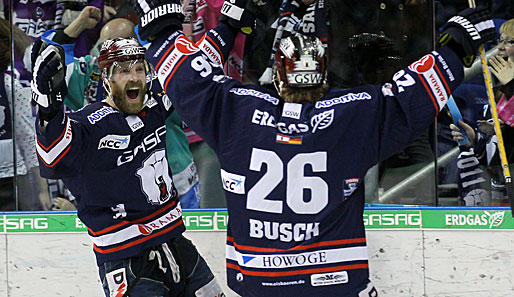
{"x": 119, "y": 97}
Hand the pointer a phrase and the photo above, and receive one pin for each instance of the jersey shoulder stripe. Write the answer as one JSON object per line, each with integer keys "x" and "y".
{"x": 51, "y": 154}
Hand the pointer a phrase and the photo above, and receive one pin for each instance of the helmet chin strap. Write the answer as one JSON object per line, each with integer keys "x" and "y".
{"x": 108, "y": 90}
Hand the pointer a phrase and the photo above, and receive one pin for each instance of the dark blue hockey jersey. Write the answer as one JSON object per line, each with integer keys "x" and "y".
{"x": 293, "y": 172}
{"x": 115, "y": 165}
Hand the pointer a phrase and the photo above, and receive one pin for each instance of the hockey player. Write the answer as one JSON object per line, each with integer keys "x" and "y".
{"x": 111, "y": 155}
{"x": 293, "y": 161}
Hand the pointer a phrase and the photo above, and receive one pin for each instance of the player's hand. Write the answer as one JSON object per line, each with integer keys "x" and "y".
{"x": 63, "y": 204}
{"x": 157, "y": 16}
{"x": 234, "y": 14}
{"x": 457, "y": 135}
{"x": 48, "y": 78}
{"x": 503, "y": 70}
{"x": 465, "y": 32}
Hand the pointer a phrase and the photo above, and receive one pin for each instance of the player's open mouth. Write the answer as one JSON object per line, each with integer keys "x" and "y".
{"x": 133, "y": 94}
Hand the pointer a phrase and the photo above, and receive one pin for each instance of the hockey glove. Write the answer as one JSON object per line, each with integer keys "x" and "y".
{"x": 48, "y": 78}
{"x": 234, "y": 15}
{"x": 157, "y": 16}
{"x": 465, "y": 32}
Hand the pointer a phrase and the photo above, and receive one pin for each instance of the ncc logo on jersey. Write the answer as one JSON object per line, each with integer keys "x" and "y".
{"x": 114, "y": 142}
{"x": 234, "y": 183}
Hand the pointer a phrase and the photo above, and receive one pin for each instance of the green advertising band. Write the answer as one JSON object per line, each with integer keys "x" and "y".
{"x": 493, "y": 218}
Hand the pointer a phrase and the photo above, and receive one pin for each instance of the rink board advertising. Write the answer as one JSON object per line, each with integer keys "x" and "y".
{"x": 486, "y": 219}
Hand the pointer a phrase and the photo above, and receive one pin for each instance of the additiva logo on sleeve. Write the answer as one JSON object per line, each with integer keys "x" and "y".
{"x": 233, "y": 182}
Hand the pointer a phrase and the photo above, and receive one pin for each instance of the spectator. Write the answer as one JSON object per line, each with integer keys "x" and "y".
{"x": 485, "y": 149}
{"x": 19, "y": 138}
{"x": 112, "y": 157}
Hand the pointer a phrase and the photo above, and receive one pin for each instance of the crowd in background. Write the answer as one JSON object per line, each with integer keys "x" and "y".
{"x": 373, "y": 40}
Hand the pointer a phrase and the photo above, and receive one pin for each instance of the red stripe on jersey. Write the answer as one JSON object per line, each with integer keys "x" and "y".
{"x": 429, "y": 91}
{"x": 216, "y": 46}
{"x": 136, "y": 242}
{"x": 173, "y": 72}
{"x": 173, "y": 204}
{"x": 55, "y": 141}
{"x": 164, "y": 56}
{"x": 298, "y": 247}
{"x": 197, "y": 44}
{"x": 150, "y": 216}
{"x": 297, "y": 272}
{"x": 57, "y": 160}
{"x": 441, "y": 76}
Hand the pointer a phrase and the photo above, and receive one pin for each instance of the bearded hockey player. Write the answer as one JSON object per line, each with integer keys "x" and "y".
{"x": 111, "y": 155}
{"x": 293, "y": 161}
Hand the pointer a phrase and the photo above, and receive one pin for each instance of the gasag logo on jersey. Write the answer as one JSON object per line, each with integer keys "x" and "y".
{"x": 350, "y": 97}
{"x": 322, "y": 120}
{"x": 292, "y": 110}
{"x": 115, "y": 142}
{"x": 254, "y": 93}
{"x": 234, "y": 183}
{"x": 263, "y": 118}
{"x": 148, "y": 143}
{"x": 100, "y": 114}
{"x": 328, "y": 279}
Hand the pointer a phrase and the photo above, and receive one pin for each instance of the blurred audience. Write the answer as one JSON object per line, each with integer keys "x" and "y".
{"x": 18, "y": 160}
{"x": 483, "y": 140}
